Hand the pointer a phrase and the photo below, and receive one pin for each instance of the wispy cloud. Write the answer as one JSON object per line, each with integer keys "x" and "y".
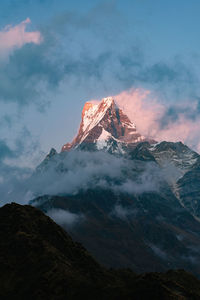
{"x": 78, "y": 171}
{"x": 160, "y": 120}
{"x": 65, "y": 218}
{"x": 14, "y": 37}
{"x": 123, "y": 212}
{"x": 84, "y": 50}
{"x": 16, "y": 158}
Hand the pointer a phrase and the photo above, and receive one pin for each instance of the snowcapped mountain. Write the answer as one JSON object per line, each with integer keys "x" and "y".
{"x": 142, "y": 206}
{"x": 105, "y": 126}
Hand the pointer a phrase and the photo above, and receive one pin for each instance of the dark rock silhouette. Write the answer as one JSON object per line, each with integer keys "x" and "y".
{"x": 39, "y": 260}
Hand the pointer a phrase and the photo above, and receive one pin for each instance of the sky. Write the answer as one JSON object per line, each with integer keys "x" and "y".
{"x": 56, "y": 55}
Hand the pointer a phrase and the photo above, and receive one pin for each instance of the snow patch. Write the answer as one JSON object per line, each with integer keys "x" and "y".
{"x": 102, "y": 139}
{"x": 94, "y": 115}
{"x": 88, "y": 116}
{"x": 104, "y": 135}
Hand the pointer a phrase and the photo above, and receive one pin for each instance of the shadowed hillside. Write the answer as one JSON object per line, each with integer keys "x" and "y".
{"x": 39, "y": 260}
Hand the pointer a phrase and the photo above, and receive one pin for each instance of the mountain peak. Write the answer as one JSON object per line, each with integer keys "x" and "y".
{"x": 104, "y": 123}
{"x": 86, "y": 107}
{"x": 90, "y": 108}
{"x": 109, "y": 101}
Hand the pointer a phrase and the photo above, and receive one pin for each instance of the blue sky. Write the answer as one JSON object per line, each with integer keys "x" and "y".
{"x": 89, "y": 50}
{"x": 171, "y": 26}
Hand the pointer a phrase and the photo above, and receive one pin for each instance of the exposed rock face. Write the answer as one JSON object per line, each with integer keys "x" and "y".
{"x": 168, "y": 155}
{"x": 103, "y": 124}
{"x": 182, "y": 167}
{"x": 39, "y": 260}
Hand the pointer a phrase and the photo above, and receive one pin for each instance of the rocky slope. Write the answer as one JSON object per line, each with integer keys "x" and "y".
{"x": 182, "y": 168}
{"x": 39, "y": 260}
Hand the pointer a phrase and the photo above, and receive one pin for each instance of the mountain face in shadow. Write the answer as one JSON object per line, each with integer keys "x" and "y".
{"x": 147, "y": 232}
{"x": 39, "y": 260}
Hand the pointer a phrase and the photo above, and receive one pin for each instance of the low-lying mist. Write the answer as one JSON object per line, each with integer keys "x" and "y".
{"x": 75, "y": 171}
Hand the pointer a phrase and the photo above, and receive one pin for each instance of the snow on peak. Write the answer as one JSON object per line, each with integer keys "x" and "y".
{"x": 108, "y": 101}
{"x": 104, "y": 135}
{"x": 93, "y": 113}
{"x": 103, "y": 121}
{"x": 88, "y": 107}
{"x": 102, "y": 139}
{"x": 88, "y": 113}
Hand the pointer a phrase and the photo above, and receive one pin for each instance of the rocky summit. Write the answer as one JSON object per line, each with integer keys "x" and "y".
{"x": 105, "y": 126}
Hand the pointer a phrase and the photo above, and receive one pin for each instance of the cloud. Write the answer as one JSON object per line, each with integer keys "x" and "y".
{"x": 81, "y": 52}
{"x": 32, "y": 72}
{"x": 18, "y": 82}
{"x": 162, "y": 120}
{"x": 93, "y": 51}
{"x": 123, "y": 213}
{"x": 17, "y": 158}
{"x": 5, "y": 151}
{"x": 158, "y": 251}
{"x": 78, "y": 171}
{"x": 64, "y": 217}
{"x": 13, "y": 37}
{"x": 142, "y": 108}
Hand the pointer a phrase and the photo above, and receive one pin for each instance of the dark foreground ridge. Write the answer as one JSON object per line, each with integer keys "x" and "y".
{"x": 39, "y": 260}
